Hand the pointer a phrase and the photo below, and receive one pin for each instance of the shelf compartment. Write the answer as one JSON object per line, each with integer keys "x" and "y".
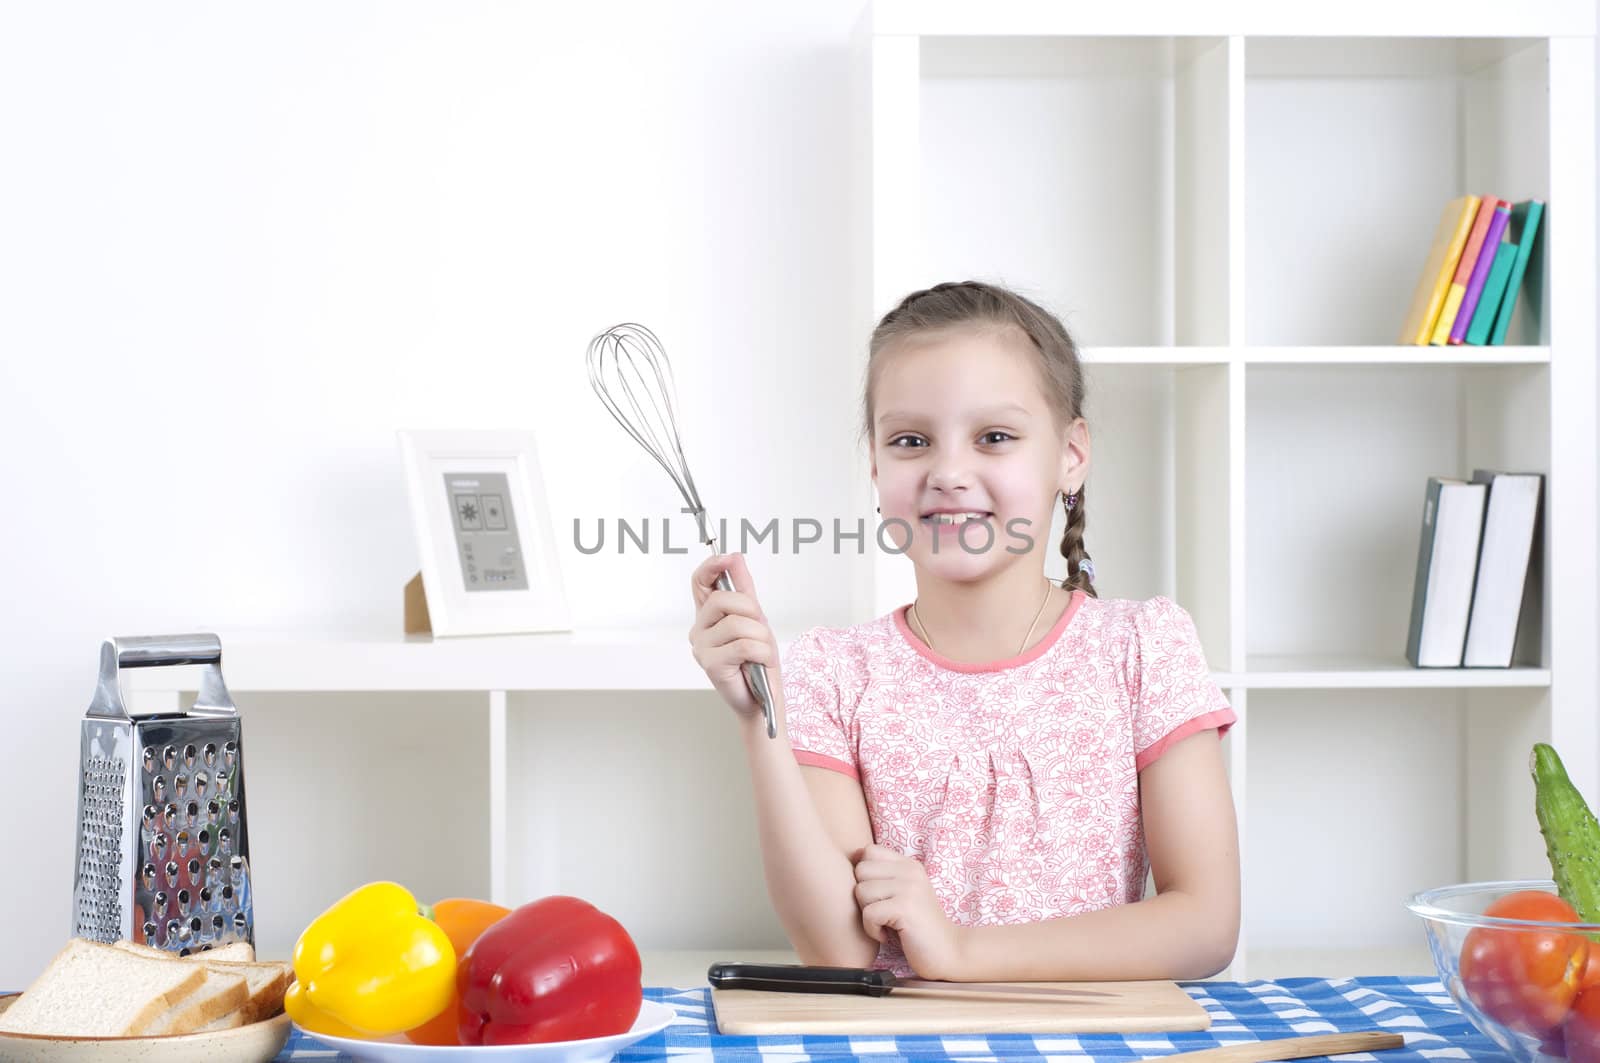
{"x": 1338, "y": 461}
{"x": 641, "y": 805}
{"x": 1353, "y": 147}
{"x": 1088, "y": 173}
{"x": 1321, "y": 838}
{"x": 391, "y": 788}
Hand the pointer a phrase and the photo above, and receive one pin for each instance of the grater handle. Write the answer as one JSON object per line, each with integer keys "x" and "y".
{"x": 155, "y": 651}
{"x": 158, "y": 651}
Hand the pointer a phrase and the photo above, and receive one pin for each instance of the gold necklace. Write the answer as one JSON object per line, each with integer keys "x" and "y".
{"x": 1048, "y": 587}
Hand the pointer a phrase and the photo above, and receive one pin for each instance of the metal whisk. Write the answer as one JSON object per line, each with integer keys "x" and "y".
{"x": 629, "y": 370}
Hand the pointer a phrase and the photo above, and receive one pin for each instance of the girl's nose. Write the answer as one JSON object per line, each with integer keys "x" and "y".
{"x": 948, "y": 477}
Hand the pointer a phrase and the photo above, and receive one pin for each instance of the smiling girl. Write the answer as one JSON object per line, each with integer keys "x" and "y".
{"x": 974, "y": 786}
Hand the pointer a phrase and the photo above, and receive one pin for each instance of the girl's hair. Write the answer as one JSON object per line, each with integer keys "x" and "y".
{"x": 973, "y": 303}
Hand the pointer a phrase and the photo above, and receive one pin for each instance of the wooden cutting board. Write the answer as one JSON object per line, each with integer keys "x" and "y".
{"x": 1128, "y": 1007}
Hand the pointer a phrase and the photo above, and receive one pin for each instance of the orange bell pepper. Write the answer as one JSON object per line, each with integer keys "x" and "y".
{"x": 462, "y": 920}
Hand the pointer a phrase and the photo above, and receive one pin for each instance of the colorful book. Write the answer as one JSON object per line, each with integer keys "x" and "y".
{"x": 1463, "y": 274}
{"x": 1493, "y": 290}
{"x": 1523, "y": 229}
{"x": 1480, "y": 273}
{"x": 1448, "y": 240}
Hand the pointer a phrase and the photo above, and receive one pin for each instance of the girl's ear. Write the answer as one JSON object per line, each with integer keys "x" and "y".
{"x": 1074, "y": 465}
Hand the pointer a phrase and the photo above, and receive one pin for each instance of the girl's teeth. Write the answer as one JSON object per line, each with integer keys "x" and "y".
{"x": 954, "y": 518}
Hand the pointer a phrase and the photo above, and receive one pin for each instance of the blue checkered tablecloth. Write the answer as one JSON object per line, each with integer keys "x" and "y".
{"x": 1418, "y": 1008}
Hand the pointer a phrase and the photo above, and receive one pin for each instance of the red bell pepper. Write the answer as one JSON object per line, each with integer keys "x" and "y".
{"x": 556, "y": 969}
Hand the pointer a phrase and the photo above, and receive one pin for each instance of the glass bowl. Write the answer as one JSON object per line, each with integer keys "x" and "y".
{"x": 1521, "y": 973}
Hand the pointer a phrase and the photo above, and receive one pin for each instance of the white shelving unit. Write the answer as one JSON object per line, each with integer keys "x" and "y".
{"x": 1228, "y": 206}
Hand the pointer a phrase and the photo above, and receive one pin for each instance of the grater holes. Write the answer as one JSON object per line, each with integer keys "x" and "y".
{"x": 97, "y": 890}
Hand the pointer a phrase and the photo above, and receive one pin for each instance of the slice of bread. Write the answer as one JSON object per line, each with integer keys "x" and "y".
{"x": 94, "y": 990}
{"x": 265, "y": 983}
{"x": 227, "y": 1022}
{"x": 232, "y": 952}
{"x": 220, "y": 994}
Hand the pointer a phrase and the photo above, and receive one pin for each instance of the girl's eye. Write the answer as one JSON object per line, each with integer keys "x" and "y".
{"x": 986, "y": 437}
{"x": 905, "y": 441}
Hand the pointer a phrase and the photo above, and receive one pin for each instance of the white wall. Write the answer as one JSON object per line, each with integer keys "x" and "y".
{"x": 241, "y": 246}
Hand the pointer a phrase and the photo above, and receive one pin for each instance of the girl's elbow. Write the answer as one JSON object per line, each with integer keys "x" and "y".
{"x": 837, "y": 954}
{"x": 1221, "y": 949}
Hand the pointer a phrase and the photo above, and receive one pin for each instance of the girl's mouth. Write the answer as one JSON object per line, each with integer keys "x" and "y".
{"x": 941, "y": 521}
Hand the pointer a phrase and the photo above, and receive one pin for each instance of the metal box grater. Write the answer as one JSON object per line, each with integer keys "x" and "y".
{"x": 163, "y": 857}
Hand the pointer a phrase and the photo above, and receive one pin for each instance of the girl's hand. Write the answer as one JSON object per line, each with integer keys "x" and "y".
{"x": 730, "y": 629}
{"x": 894, "y": 893}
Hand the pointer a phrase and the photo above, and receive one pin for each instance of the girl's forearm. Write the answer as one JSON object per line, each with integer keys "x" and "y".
{"x": 811, "y": 882}
{"x": 1171, "y": 935}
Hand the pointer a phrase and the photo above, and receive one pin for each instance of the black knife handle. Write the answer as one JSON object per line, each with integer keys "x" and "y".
{"x": 794, "y": 978}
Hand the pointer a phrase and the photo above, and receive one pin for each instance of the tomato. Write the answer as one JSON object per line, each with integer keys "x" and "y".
{"x": 1525, "y": 979}
{"x": 1591, "y": 970}
{"x": 1583, "y": 1028}
{"x": 463, "y": 922}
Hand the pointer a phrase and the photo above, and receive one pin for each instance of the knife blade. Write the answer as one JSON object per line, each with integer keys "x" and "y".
{"x": 862, "y": 981}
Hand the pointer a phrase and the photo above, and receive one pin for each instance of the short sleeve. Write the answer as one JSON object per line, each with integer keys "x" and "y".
{"x": 817, "y": 731}
{"x": 1170, "y": 683}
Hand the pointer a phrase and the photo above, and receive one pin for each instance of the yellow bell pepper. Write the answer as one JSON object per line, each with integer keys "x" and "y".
{"x": 373, "y": 963}
{"x": 308, "y": 1016}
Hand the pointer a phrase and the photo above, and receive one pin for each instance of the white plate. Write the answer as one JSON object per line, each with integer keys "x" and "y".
{"x": 257, "y": 1043}
{"x": 653, "y": 1017}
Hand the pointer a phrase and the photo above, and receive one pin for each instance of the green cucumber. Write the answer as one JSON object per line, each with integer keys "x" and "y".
{"x": 1571, "y": 835}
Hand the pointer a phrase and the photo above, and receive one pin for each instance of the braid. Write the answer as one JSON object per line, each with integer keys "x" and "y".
{"x": 1072, "y": 550}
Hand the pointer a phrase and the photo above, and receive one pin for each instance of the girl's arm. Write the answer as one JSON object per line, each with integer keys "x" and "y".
{"x": 812, "y": 821}
{"x": 1188, "y": 930}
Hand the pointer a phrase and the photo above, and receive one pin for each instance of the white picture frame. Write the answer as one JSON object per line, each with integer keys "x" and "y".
{"x": 469, "y": 573}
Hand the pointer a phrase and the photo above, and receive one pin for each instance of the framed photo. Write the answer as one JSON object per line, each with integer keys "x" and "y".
{"x": 489, "y": 559}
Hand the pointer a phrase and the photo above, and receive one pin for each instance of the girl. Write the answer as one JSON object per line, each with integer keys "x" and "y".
{"x": 974, "y": 786}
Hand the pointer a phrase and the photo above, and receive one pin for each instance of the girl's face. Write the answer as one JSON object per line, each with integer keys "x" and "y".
{"x": 966, "y": 453}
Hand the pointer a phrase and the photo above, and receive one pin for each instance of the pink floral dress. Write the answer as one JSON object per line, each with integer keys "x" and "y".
{"x": 1016, "y": 784}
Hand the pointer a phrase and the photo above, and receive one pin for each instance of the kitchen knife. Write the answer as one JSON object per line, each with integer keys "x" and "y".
{"x": 860, "y": 981}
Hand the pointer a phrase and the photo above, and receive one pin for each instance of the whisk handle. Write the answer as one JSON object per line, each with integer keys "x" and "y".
{"x": 755, "y": 674}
